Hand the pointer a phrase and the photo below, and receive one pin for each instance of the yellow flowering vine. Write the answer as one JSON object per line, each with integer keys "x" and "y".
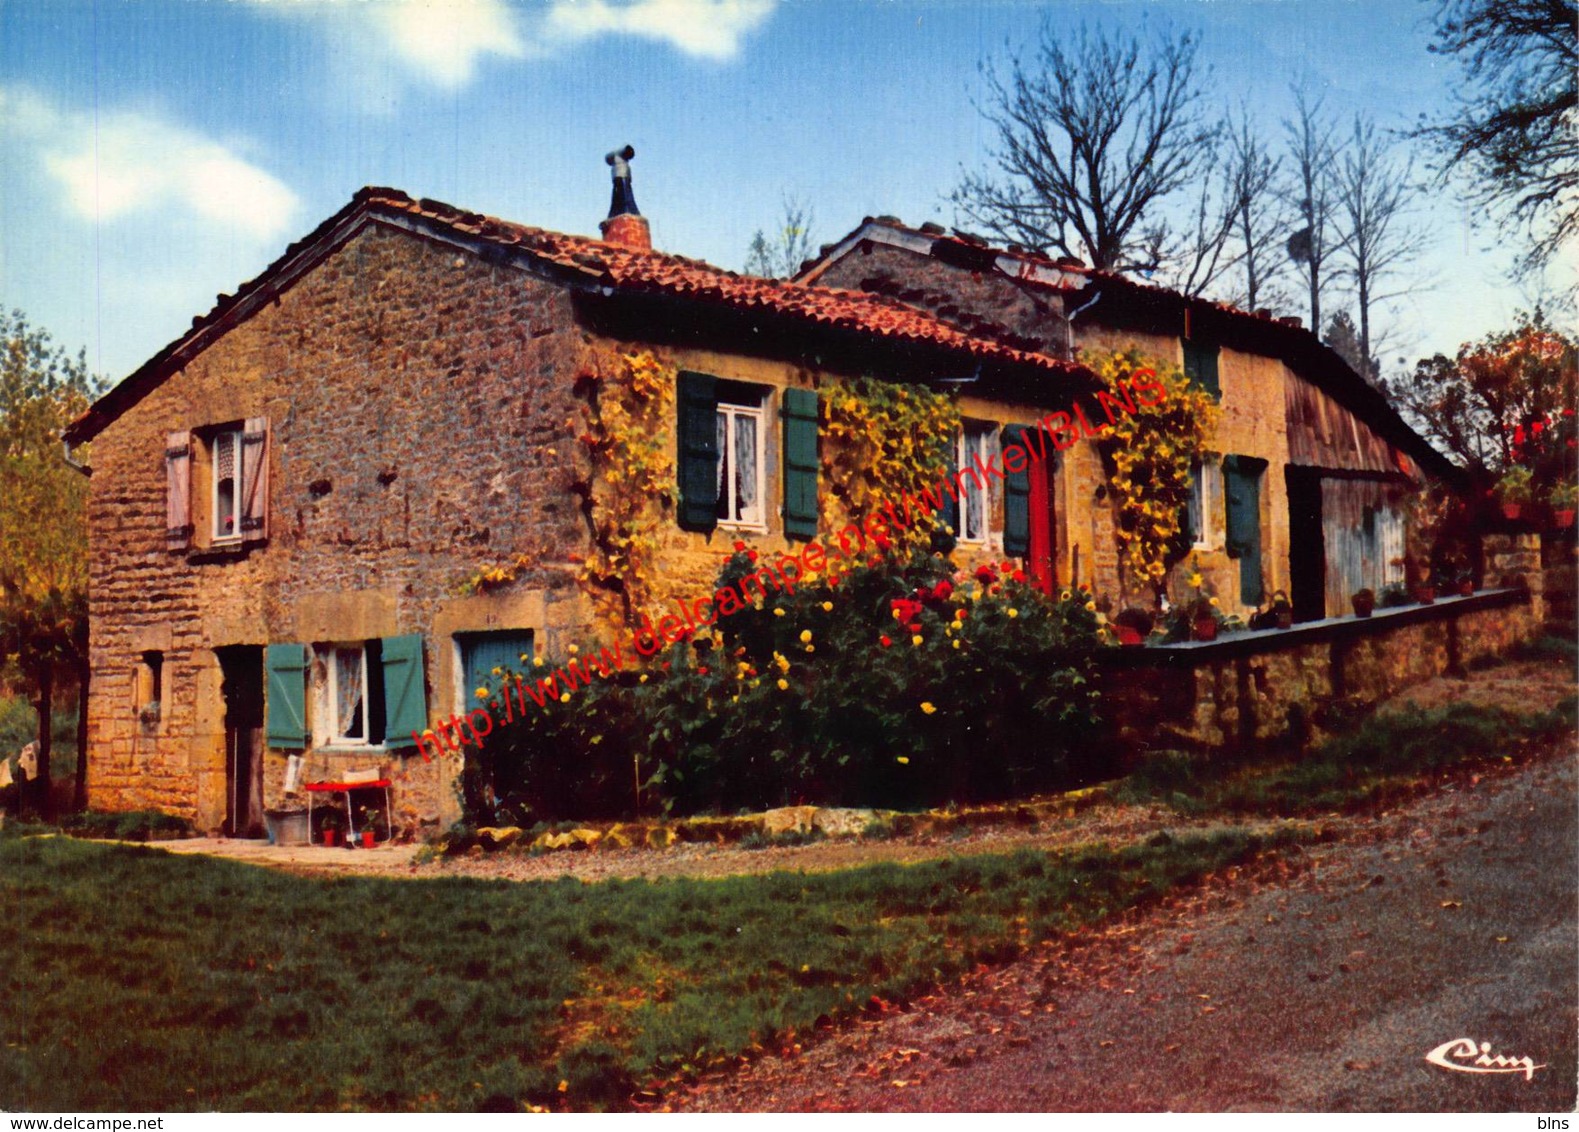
{"x": 1148, "y": 457}
{"x": 629, "y": 412}
{"x": 885, "y": 440}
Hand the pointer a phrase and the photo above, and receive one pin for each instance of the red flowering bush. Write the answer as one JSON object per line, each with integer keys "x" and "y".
{"x": 903, "y": 685}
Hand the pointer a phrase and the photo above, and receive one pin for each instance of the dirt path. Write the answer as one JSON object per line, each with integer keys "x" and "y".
{"x": 1453, "y": 916}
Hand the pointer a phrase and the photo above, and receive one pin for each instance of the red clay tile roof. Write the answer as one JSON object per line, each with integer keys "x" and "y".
{"x": 643, "y": 271}
{"x": 578, "y": 259}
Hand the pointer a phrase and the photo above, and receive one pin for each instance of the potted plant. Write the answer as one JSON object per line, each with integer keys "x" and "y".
{"x": 1393, "y": 595}
{"x": 1465, "y": 583}
{"x": 368, "y": 818}
{"x": 330, "y": 826}
{"x": 1513, "y": 490}
{"x": 1133, "y": 625}
{"x": 1425, "y": 592}
{"x": 1364, "y": 602}
{"x": 1562, "y": 499}
{"x": 1282, "y": 610}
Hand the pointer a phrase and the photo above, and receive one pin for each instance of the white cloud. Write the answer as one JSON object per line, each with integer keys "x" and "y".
{"x": 443, "y": 39}
{"x": 125, "y": 162}
{"x": 441, "y": 42}
{"x": 710, "y": 29}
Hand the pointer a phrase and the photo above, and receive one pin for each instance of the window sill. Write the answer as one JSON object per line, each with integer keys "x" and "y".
{"x": 222, "y": 552}
{"x": 745, "y": 528}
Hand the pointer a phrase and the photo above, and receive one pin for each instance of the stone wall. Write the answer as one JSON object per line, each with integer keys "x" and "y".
{"x": 1250, "y": 688}
{"x": 418, "y": 401}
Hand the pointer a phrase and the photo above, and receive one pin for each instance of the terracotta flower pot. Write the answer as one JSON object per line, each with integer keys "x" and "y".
{"x": 1563, "y": 517}
{"x": 1425, "y": 595}
{"x": 1205, "y": 629}
{"x": 1512, "y": 510}
{"x": 367, "y": 839}
{"x": 1363, "y": 606}
{"x": 1129, "y": 636}
{"x": 1284, "y": 618}
{"x": 1466, "y": 588}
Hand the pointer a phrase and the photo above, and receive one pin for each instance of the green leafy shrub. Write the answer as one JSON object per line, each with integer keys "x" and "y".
{"x": 132, "y": 825}
{"x": 901, "y": 684}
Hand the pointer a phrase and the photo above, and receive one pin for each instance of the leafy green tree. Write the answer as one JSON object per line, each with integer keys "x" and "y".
{"x": 43, "y": 529}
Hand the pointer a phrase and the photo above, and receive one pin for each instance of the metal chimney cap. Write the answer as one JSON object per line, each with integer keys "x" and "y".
{"x": 619, "y": 155}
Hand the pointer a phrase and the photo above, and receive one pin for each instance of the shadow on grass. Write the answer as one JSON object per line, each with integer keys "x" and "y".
{"x": 1382, "y": 758}
{"x": 138, "y": 980}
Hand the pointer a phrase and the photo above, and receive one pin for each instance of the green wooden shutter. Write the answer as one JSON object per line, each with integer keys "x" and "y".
{"x": 1200, "y": 366}
{"x": 1016, "y": 499}
{"x": 405, "y": 694}
{"x": 287, "y": 696}
{"x": 800, "y": 463}
{"x": 1242, "y": 486}
{"x": 698, "y": 451}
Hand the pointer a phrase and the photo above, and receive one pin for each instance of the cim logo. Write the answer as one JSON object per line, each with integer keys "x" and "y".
{"x": 1463, "y": 1055}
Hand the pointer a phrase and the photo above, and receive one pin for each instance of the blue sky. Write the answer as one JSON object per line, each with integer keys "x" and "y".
{"x": 154, "y": 154}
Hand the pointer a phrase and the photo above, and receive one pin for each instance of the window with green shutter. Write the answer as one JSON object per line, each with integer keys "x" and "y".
{"x": 405, "y": 693}
{"x": 800, "y": 463}
{"x": 1242, "y": 489}
{"x": 1200, "y": 366}
{"x": 1016, "y": 499}
{"x": 697, "y": 429}
{"x": 286, "y": 722}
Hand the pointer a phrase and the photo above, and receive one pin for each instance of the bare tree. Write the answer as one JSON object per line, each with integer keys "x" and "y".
{"x": 1311, "y": 151}
{"x": 1259, "y": 213}
{"x": 1374, "y": 193}
{"x": 1093, "y": 137}
{"x": 1515, "y": 131}
{"x": 781, "y": 256}
{"x": 1193, "y": 245}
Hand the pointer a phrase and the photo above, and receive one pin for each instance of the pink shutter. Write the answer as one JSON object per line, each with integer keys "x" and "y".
{"x": 178, "y": 490}
{"x": 255, "y": 480}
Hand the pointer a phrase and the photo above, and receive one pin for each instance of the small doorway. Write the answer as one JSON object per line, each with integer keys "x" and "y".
{"x": 1042, "y": 554}
{"x": 1307, "y": 552}
{"x": 242, "y": 686}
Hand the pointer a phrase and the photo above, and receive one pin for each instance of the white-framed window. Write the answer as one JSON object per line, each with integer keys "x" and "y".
{"x": 227, "y": 494}
{"x": 740, "y": 466}
{"x": 1205, "y": 508}
{"x": 973, "y": 443}
{"x": 348, "y": 706}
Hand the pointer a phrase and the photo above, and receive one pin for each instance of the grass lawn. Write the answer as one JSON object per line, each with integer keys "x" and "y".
{"x": 138, "y": 980}
{"x": 1384, "y": 758}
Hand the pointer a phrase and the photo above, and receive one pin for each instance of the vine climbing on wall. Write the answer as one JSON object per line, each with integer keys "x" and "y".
{"x": 885, "y": 441}
{"x": 1148, "y": 456}
{"x": 630, "y": 479}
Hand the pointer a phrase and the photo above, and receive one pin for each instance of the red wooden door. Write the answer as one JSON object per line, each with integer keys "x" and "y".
{"x": 1044, "y": 575}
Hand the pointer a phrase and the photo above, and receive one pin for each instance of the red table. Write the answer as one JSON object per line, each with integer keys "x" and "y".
{"x": 350, "y": 814}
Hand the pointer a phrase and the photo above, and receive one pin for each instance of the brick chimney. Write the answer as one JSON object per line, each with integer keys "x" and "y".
{"x": 625, "y": 224}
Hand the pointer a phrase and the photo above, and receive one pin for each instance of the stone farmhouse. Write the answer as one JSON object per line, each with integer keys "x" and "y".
{"x": 1307, "y": 489}
{"x": 325, "y": 513}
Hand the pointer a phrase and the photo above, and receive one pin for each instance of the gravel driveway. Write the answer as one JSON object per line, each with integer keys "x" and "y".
{"x": 1315, "y": 983}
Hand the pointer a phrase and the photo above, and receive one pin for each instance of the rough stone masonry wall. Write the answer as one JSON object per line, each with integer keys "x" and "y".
{"x": 1242, "y": 690}
{"x": 418, "y": 399}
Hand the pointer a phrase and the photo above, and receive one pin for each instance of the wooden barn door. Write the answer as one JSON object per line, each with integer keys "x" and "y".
{"x": 242, "y": 669}
{"x": 1307, "y": 551}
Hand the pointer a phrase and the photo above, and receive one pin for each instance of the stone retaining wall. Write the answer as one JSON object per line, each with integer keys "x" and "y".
{"x": 1255, "y": 687}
